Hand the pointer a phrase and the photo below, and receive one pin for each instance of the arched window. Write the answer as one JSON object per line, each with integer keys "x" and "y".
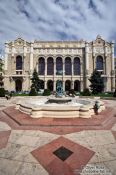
{"x": 76, "y": 66}
{"x": 19, "y": 63}
{"x": 99, "y": 63}
{"x": 68, "y": 66}
{"x": 59, "y": 66}
{"x": 50, "y": 66}
{"x": 41, "y": 66}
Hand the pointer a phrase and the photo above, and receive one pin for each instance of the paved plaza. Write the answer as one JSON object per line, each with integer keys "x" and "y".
{"x": 32, "y": 147}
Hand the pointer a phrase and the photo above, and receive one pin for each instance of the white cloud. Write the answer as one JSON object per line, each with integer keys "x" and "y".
{"x": 57, "y": 19}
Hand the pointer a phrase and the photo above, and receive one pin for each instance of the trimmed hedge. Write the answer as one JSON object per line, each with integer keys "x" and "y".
{"x": 33, "y": 92}
{"x": 46, "y": 92}
{"x": 2, "y": 92}
{"x": 86, "y": 92}
{"x": 114, "y": 94}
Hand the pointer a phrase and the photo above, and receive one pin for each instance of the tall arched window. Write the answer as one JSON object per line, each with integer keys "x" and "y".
{"x": 41, "y": 66}
{"x": 59, "y": 66}
{"x": 68, "y": 66}
{"x": 76, "y": 66}
{"x": 50, "y": 66}
{"x": 99, "y": 63}
{"x": 19, "y": 63}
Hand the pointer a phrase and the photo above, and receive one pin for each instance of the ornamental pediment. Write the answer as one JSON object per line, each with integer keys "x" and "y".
{"x": 21, "y": 42}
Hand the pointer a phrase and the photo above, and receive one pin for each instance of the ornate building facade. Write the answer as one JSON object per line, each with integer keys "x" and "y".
{"x": 71, "y": 62}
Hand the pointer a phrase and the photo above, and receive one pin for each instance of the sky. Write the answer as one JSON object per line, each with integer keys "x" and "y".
{"x": 57, "y": 20}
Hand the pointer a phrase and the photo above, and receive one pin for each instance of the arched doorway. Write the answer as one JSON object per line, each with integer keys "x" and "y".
{"x": 19, "y": 62}
{"x": 18, "y": 85}
{"x": 50, "y": 66}
{"x": 59, "y": 66}
{"x": 68, "y": 66}
{"x": 99, "y": 63}
{"x": 67, "y": 85}
{"x": 41, "y": 66}
{"x": 77, "y": 85}
{"x": 76, "y": 66}
{"x": 50, "y": 85}
{"x": 41, "y": 84}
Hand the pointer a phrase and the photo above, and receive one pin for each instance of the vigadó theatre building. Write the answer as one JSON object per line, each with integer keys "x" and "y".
{"x": 71, "y": 62}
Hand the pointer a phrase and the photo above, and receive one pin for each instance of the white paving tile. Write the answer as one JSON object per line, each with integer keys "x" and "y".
{"x": 31, "y": 169}
{"x": 4, "y": 126}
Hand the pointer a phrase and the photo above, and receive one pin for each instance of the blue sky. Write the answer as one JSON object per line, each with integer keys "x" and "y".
{"x": 57, "y": 19}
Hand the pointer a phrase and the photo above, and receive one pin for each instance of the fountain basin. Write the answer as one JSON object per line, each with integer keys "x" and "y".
{"x": 59, "y": 108}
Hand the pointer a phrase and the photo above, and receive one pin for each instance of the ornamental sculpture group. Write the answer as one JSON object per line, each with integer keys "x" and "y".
{"x": 59, "y": 89}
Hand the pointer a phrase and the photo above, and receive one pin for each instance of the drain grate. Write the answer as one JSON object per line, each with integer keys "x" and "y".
{"x": 62, "y": 153}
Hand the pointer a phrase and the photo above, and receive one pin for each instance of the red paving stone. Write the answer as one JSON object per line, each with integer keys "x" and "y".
{"x": 54, "y": 165}
{"x": 4, "y": 136}
{"x": 19, "y": 120}
{"x": 114, "y": 134}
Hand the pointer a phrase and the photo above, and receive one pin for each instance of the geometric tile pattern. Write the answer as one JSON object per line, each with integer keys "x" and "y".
{"x": 4, "y": 136}
{"x": 79, "y": 156}
{"x": 62, "y": 153}
{"x": 18, "y": 120}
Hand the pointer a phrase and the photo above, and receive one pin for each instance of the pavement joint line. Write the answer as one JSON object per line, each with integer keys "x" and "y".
{"x": 20, "y": 160}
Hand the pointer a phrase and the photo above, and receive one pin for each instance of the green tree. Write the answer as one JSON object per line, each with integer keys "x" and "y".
{"x": 36, "y": 82}
{"x": 97, "y": 83}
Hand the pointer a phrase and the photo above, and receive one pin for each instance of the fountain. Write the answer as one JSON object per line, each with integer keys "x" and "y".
{"x": 59, "y": 107}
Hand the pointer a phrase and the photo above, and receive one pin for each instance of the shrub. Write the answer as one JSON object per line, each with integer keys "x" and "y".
{"x": 46, "y": 92}
{"x": 32, "y": 92}
{"x": 2, "y": 92}
{"x": 71, "y": 92}
{"x": 114, "y": 94}
{"x": 86, "y": 92}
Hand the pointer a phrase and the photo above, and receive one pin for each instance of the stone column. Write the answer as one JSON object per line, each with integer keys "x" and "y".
{"x": 63, "y": 85}
{"x": 6, "y": 56}
{"x": 45, "y": 73}
{"x": 113, "y": 69}
{"x": 63, "y": 62}
{"x": 31, "y": 58}
{"x": 87, "y": 64}
{"x": 105, "y": 70}
{"x": 81, "y": 85}
{"x": 25, "y": 49}
{"x": 54, "y": 85}
{"x": 37, "y": 67}
{"x": 72, "y": 84}
{"x": 13, "y": 49}
{"x": 54, "y": 67}
{"x": 45, "y": 84}
{"x": 113, "y": 55}
{"x": 94, "y": 58}
{"x": 72, "y": 74}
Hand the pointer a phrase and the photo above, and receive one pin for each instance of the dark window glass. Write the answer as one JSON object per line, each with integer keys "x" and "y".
{"x": 41, "y": 66}
{"x": 59, "y": 66}
{"x": 76, "y": 66}
{"x": 99, "y": 63}
{"x": 68, "y": 66}
{"x": 18, "y": 63}
{"x": 50, "y": 66}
